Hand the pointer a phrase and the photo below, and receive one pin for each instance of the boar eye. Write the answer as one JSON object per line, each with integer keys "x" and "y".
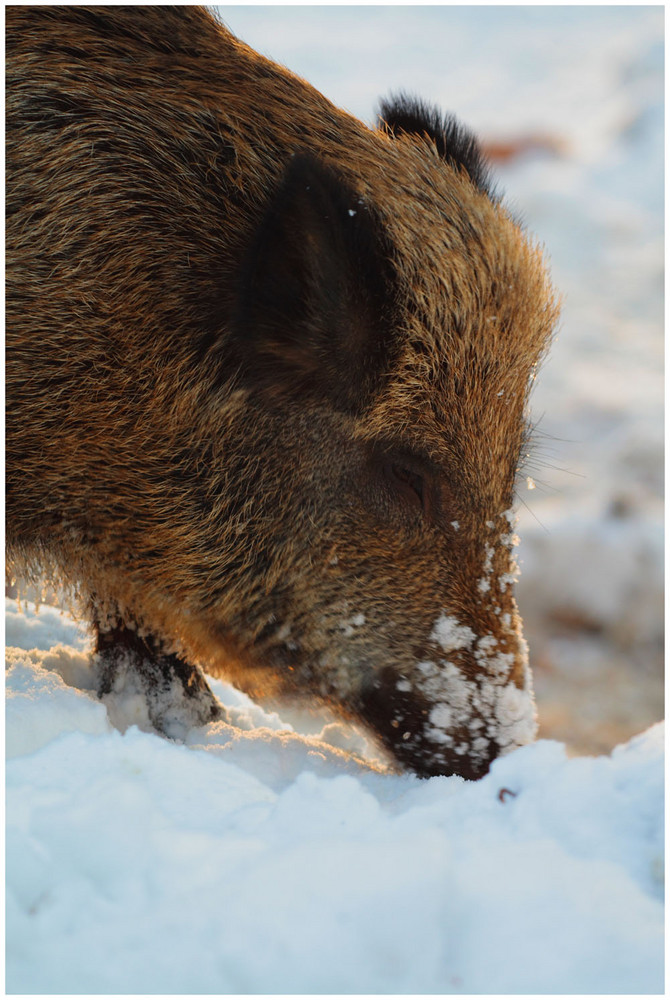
{"x": 408, "y": 483}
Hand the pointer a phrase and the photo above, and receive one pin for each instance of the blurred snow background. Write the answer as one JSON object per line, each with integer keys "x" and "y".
{"x": 256, "y": 858}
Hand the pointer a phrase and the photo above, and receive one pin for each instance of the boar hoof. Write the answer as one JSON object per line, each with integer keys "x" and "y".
{"x": 176, "y": 694}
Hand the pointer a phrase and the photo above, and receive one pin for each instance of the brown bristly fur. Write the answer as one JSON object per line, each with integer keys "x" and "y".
{"x": 222, "y": 490}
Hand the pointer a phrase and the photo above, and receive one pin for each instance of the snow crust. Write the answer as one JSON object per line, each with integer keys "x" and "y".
{"x": 254, "y": 859}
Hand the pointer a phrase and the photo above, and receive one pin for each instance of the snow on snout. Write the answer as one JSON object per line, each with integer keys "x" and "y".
{"x": 509, "y": 540}
{"x": 450, "y": 634}
{"x": 489, "y": 706}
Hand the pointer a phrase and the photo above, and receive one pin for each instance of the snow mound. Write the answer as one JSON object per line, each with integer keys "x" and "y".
{"x": 261, "y": 860}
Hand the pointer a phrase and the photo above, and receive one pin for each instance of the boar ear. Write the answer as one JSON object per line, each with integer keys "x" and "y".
{"x": 314, "y": 293}
{"x": 400, "y": 114}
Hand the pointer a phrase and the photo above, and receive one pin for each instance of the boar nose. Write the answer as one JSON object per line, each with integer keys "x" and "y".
{"x": 455, "y": 712}
{"x": 421, "y": 737}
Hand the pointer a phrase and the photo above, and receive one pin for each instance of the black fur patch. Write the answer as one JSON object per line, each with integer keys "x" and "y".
{"x": 316, "y": 292}
{"x": 176, "y": 692}
{"x": 400, "y": 114}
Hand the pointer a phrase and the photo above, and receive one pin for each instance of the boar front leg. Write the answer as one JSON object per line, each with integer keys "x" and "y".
{"x": 176, "y": 693}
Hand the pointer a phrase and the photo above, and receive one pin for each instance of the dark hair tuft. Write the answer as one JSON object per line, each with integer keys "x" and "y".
{"x": 401, "y": 114}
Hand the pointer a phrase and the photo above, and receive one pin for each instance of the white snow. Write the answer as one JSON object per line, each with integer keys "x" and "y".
{"x": 349, "y": 625}
{"x": 450, "y": 634}
{"x": 273, "y": 853}
{"x": 264, "y": 861}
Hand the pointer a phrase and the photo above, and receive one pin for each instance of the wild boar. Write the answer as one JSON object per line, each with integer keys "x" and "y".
{"x": 267, "y": 378}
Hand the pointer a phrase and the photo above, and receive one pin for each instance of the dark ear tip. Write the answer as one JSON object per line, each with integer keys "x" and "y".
{"x": 401, "y": 114}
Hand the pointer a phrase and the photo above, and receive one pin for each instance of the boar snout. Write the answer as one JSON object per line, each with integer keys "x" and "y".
{"x": 454, "y": 711}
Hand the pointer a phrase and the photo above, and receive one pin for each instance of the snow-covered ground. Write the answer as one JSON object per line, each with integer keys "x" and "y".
{"x": 256, "y": 858}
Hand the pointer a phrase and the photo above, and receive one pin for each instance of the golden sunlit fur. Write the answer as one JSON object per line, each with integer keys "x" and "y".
{"x": 239, "y": 526}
